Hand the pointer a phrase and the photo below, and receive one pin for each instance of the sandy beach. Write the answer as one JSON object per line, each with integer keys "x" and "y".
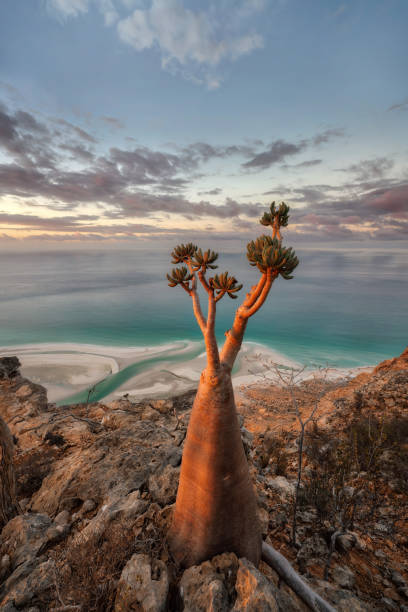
{"x": 165, "y": 370}
{"x": 65, "y": 369}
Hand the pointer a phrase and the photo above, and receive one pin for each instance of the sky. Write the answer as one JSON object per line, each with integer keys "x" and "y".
{"x": 141, "y": 122}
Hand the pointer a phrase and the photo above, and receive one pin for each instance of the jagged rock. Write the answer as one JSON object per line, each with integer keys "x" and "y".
{"x": 163, "y": 485}
{"x": 163, "y": 406}
{"x": 24, "y": 537}
{"x": 142, "y": 586}
{"x": 34, "y": 584}
{"x": 344, "y": 577}
{"x": 210, "y": 586}
{"x": 117, "y": 507}
{"x": 388, "y": 604}
{"x": 254, "y": 592}
{"x": 312, "y": 548}
{"x": 9, "y": 367}
{"x": 397, "y": 579}
{"x": 282, "y": 486}
{"x": 89, "y": 505}
{"x": 63, "y": 518}
{"x": 346, "y": 541}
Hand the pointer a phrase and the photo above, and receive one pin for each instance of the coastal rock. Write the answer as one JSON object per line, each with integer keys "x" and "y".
{"x": 163, "y": 486}
{"x": 344, "y": 577}
{"x": 9, "y": 367}
{"x": 312, "y": 549}
{"x": 115, "y": 508}
{"x": 281, "y": 485}
{"x": 24, "y": 537}
{"x": 108, "y": 472}
{"x": 142, "y": 586}
{"x": 25, "y": 586}
{"x": 254, "y": 591}
{"x": 210, "y": 586}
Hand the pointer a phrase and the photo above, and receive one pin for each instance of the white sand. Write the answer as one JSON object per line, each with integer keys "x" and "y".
{"x": 67, "y": 368}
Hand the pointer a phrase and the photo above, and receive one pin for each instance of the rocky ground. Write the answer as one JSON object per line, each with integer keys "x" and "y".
{"x": 96, "y": 486}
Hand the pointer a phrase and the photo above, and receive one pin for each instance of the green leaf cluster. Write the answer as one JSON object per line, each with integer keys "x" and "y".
{"x": 179, "y": 276}
{"x": 225, "y": 284}
{"x": 267, "y": 253}
{"x": 280, "y": 215}
{"x": 183, "y": 252}
{"x": 205, "y": 260}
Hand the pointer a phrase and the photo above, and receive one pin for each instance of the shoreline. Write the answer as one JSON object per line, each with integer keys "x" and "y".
{"x": 70, "y": 369}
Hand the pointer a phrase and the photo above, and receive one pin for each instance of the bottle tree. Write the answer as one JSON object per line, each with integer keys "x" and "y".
{"x": 216, "y": 508}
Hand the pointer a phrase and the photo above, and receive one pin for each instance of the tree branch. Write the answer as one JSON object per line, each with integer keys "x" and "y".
{"x": 270, "y": 277}
{"x": 255, "y": 292}
{"x": 219, "y": 296}
{"x": 196, "y": 300}
{"x": 203, "y": 281}
{"x": 282, "y": 566}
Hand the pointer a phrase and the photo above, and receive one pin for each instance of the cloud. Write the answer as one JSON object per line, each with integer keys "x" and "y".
{"x": 143, "y": 183}
{"x": 305, "y": 164}
{"x": 183, "y": 35}
{"x": 191, "y": 42}
{"x": 113, "y": 122}
{"x": 402, "y": 106}
{"x": 78, "y": 132}
{"x": 65, "y": 9}
{"x": 370, "y": 168}
{"x": 326, "y": 135}
{"x": 68, "y": 8}
{"x": 279, "y": 150}
{"x": 215, "y": 191}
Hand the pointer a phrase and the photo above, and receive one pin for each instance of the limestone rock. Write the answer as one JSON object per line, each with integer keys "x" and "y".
{"x": 312, "y": 548}
{"x": 163, "y": 485}
{"x": 24, "y": 586}
{"x": 9, "y": 367}
{"x": 24, "y": 536}
{"x": 163, "y": 406}
{"x": 210, "y": 586}
{"x": 282, "y": 486}
{"x": 142, "y": 587}
{"x": 254, "y": 592}
{"x": 344, "y": 577}
{"x": 117, "y": 507}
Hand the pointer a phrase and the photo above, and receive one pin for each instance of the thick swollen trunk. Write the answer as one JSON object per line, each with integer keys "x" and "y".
{"x": 216, "y": 509}
{"x": 8, "y": 503}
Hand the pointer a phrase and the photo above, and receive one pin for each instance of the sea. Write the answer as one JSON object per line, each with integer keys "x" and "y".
{"x": 346, "y": 307}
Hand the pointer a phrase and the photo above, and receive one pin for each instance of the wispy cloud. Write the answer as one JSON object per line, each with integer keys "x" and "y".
{"x": 191, "y": 42}
{"x": 368, "y": 169}
{"x": 142, "y": 183}
{"x": 401, "y": 106}
{"x": 279, "y": 150}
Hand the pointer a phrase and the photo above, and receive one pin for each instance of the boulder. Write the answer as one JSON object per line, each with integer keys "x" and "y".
{"x": 142, "y": 586}
{"x": 344, "y": 577}
{"x": 282, "y": 486}
{"x": 210, "y": 586}
{"x": 254, "y": 591}
{"x": 163, "y": 485}
{"x": 24, "y": 537}
{"x": 9, "y": 367}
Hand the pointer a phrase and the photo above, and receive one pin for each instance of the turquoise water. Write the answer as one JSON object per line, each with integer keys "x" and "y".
{"x": 114, "y": 381}
{"x": 345, "y": 308}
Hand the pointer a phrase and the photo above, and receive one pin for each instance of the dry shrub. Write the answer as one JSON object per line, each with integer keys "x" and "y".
{"x": 90, "y": 571}
{"x": 273, "y": 452}
{"x": 31, "y": 469}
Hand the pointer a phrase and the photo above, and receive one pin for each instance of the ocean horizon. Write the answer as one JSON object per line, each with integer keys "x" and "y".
{"x": 344, "y": 308}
